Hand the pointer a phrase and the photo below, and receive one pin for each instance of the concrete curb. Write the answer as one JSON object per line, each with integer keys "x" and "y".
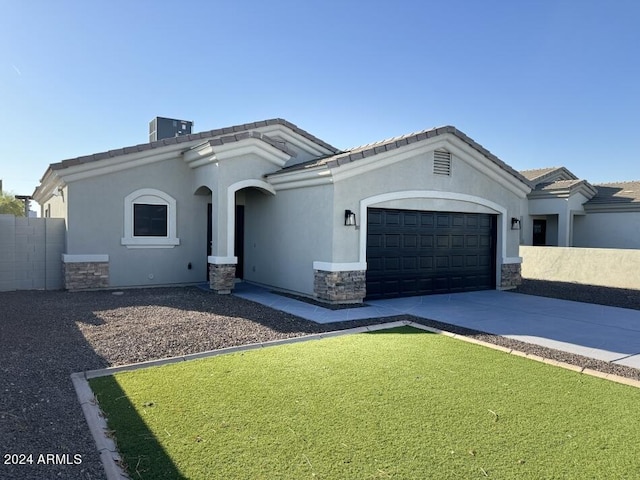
{"x": 109, "y": 456}
{"x": 107, "y": 448}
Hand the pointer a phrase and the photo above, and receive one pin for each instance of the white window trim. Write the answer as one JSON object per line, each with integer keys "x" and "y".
{"x": 153, "y": 197}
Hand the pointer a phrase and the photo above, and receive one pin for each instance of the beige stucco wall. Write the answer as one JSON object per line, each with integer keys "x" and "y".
{"x": 616, "y": 268}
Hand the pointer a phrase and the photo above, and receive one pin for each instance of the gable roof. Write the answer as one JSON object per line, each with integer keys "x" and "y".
{"x": 618, "y": 192}
{"x": 227, "y": 134}
{"x": 364, "y": 151}
{"x": 548, "y": 175}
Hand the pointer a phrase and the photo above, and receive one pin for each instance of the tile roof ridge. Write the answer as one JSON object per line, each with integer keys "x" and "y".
{"x": 207, "y": 134}
{"x": 541, "y": 169}
{"x": 444, "y": 129}
{"x": 615, "y": 183}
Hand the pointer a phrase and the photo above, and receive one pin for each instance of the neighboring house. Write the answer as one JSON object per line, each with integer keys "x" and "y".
{"x": 569, "y": 212}
{"x": 267, "y": 202}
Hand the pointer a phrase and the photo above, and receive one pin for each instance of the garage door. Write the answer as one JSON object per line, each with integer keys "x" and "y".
{"x": 418, "y": 253}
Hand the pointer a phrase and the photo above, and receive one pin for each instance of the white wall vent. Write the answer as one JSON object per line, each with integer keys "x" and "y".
{"x": 441, "y": 162}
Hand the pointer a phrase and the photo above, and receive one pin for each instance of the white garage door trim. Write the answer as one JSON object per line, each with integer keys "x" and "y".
{"x": 434, "y": 194}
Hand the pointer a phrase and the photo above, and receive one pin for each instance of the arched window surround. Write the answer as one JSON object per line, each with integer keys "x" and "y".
{"x": 149, "y": 196}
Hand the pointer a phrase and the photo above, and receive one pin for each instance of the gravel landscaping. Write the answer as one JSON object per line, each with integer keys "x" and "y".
{"x": 46, "y": 336}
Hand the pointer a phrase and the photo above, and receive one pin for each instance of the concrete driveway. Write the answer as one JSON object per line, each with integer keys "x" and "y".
{"x": 605, "y": 333}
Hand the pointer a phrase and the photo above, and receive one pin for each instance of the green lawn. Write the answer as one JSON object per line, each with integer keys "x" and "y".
{"x": 399, "y": 403}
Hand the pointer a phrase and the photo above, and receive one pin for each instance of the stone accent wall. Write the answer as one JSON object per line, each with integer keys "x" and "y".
{"x": 511, "y": 275}
{"x": 340, "y": 287}
{"x": 222, "y": 278}
{"x": 85, "y": 275}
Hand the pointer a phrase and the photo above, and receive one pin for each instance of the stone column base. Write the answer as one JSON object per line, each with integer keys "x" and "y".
{"x": 340, "y": 287}
{"x": 84, "y": 275}
{"x": 511, "y": 275}
{"x": 222, "y": 278}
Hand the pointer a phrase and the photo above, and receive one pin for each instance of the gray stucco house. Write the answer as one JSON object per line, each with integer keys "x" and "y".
{"x": 566, "y": 211}
{"x": 269, "y": 203}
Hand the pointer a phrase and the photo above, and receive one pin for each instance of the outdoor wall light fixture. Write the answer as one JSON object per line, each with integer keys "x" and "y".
{"x": 349, "y": 219}
{"x": 515, "y": 223}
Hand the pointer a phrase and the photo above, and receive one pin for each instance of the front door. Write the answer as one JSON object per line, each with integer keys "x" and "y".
{"x": 239, "y": 240}
{"x": 539, "y": 232}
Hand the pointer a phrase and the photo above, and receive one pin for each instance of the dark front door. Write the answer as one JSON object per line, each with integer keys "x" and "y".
{"x": 239, "y": 241}
{"x": 539, "y": 232}
{"x": 417, "y": 253}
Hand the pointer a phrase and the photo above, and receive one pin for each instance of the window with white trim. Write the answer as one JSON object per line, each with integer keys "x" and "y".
{"x": 149, "y": 220}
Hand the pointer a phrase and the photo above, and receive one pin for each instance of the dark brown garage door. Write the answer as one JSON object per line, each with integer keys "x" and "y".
{"x": 418, "y": 253}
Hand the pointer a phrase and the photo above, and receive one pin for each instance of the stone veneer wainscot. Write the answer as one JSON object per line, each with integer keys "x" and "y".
{"x": 511, "y": 275}
{"x": 85, "y": 272}
{"x": 222, "y": 277}
{"x": 340, "y": 287}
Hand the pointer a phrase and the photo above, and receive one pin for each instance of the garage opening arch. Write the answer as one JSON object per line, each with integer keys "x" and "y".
{"x": 435, "y": 195}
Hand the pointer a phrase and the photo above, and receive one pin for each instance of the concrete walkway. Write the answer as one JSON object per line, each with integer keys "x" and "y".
{"x": 596, "y": 331}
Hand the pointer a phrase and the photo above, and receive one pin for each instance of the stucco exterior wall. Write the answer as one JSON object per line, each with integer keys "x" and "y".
{"x": 56, "y": 206}
{"x": 559, "y": 213}
{"x": 416, "y": 174}
{"x": 285, "y": 234}
{"x": 607, "y": 230}
{"x": 96, "y": 225}
{"x": 617, "y": 268}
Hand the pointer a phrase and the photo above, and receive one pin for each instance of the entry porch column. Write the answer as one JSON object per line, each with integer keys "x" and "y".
{"x": 222, "y": 262}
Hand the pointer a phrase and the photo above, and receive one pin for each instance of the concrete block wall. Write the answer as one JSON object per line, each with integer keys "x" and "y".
{"x": 607, "y": 267}
{"x": 30, "y": 253}
{"x": 7, "y": 252}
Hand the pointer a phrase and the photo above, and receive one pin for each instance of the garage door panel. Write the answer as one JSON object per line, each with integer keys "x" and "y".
{"x": 457, "y": 220}
{"x": 442, "y": 241}
{"x": 410, "y": 240}
{"x": 484, "y": 241}
{"x": 374, "y": 265}
{"x": 426, "y": 263}
{"x": 484, "y": 260}
{"x": 443, "y": 221}
{"x": 392, "y": 240}
{"x": 471, "y": 261}
{"x": 485, "y": 221}
{"x": 375, "y": 240}
{"x": 374, "y": 218}
{"x": 427, "y": 219}
{"x": 410, "y": 219}
{"x": 426, "y": 241}
{"x": 457, "y": 261}
{"x": 457, "y": 241}
{"x": 391, "y": 264}
{"x": 442, "y": 262}
{"x": 392, "y": 218}
{"x": 417, "y": 253}
{"x": 410, "y": 264}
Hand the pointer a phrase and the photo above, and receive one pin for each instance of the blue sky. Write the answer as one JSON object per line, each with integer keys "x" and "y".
{"x": 539, "y": 83}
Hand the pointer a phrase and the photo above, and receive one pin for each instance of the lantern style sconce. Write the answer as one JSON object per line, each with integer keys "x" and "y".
{"x": 515, "y": 223}
{"x": 349, "y": 219}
